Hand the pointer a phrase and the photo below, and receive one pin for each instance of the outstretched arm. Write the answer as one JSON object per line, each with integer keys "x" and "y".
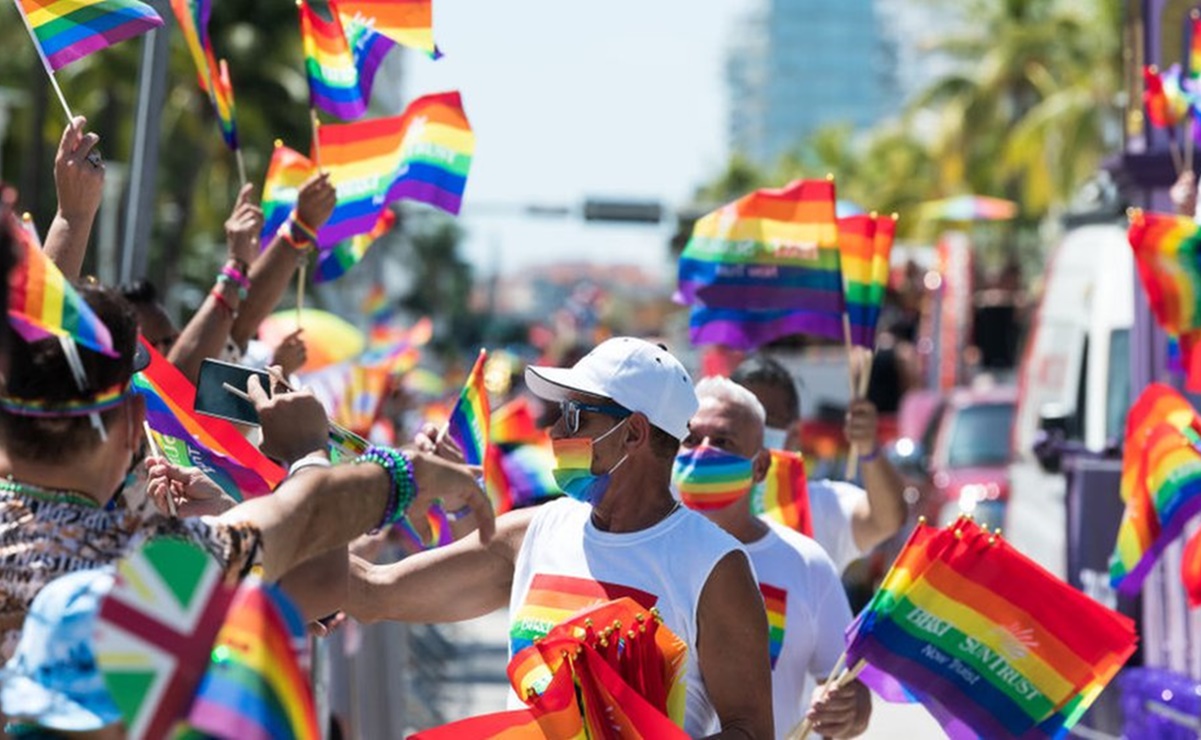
{"x": 273, "y": 270}
{"x": 463, "y": 580}
{"x": 882, "y": 514}
{"x": 79, "y": 183}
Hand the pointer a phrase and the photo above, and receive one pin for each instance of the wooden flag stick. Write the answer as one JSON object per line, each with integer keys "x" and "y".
{"x": 241, "y": 166}
{"x": 316, "y": 137}
{"x": 45, "y": 63}
{"x": 853, "y": 455}
{"x": 154, "y": 450}
{"x": 301, "y": 279}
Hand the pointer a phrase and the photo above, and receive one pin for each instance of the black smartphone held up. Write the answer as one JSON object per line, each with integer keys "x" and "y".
{"x": 221, "y": 391}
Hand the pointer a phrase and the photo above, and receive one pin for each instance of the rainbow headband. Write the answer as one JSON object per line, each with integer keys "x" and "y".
{"x": 103, "y": 401}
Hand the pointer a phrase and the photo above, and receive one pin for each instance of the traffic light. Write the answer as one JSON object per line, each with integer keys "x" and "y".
{"x": 623, "y": 211}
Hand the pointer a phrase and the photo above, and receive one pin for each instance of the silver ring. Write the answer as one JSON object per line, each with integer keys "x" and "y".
{"x": 95, "y": 159}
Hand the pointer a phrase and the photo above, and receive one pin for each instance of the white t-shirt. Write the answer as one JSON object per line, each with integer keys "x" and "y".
{"x": 566, "y": 564}
{"x": 803, "y": 595}
{"x": 832, "y": 504}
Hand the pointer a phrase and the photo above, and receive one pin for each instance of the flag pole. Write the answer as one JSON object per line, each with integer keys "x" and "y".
{"x": 302, "y": 273}
{"x": 241, "y": 166}
{"x": 852, "y": 468}
{"x": 62, "y": 99}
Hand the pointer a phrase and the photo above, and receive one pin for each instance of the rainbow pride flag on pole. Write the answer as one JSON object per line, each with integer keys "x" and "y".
{"x": 1163, "y": 96}
{"x": 68, "y": 30}
{"x": 255, "y": 688}
{"x": 211, "y": 444}
{"x": 990, "y": 643}
{"x": 423, "y": 155}
{"x": 341, "y": 62}
{"x": 783, "y": 496}
{"x": 866, "y": 244}
{"x": 223, "y": 102}
{"x": 765, "y": 266}
{"x": 41, "y": 303}
{"x": 407, "y": 22}
{"x": 193, "y": 19}
{"x": 471, "y": 416}
{"x": 1167, "y": 252}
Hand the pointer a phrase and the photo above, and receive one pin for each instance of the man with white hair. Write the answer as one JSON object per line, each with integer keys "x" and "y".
{"x": 619, "y": 532}
{"x": 719, "y": 461}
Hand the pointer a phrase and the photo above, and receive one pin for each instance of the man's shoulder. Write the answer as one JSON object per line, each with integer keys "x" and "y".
{"x": 833, "y": 489}
{"x": 700, "y": 531}
{"x": 803, "y": 548}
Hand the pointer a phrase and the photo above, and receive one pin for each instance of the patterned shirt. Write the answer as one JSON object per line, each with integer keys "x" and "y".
{"x": 44, "y": 536}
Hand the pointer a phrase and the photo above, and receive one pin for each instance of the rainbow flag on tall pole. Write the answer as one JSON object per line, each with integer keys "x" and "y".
{"x": 67, "y": 30}
{"x": 340, "y": 61}
{"x": 866, "y": 244}
{"x": 990, "y": 643}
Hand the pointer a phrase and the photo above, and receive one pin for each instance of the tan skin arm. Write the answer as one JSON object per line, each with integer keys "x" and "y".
{"x": 463, "y": 580}
{"x": 883, "y": 513}
{"x": 733, "y": 652}
{"x": 272, "y": 272}
{"x": 80, "y": 187}
{"x": 319, "y": 585}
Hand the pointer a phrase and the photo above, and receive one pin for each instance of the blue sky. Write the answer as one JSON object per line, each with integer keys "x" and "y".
{"x": 622, "y": 98}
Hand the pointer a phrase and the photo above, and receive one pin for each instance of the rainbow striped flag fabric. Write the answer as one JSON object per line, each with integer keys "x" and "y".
{"x": 471, "y": 416}
{"x": 783, "y": 496}
{"x": 990, "y": 643}
{"x": 765, "y": 266}
{"x": 770, "y": 250}
{"x": 1167, "y": 252}
{"x": 193, "y": 19}
{"x": 223, "y": 103}
{"x": 68, "y": 30}
{"x": 41, "y": 303}
{"x": 1161, "y": 483}
{"x": 211, "y": 444}
{"x": 286, "y": 172}
{"x": 255, "y": 688}
{"x": 341, "y": 62}
{"x": 407, "y": 22}
{"x": 423, "y": 155}
{"x": 1194, "y": 47}
{"x": 866, "y": 244}
{"x": 1164, "y": 97}
{"x": 336, "y": 262}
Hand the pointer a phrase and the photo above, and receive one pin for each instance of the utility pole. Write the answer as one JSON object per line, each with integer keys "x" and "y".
{"x": 143, "y": 169}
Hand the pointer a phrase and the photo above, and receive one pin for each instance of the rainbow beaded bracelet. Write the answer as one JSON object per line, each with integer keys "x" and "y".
{"x": 403, "y": 489}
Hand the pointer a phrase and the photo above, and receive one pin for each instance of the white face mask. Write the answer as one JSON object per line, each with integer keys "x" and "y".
{"x": 773, "y": 438}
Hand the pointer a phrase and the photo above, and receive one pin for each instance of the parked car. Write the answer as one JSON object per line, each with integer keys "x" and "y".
{"x": 959, "y": 464}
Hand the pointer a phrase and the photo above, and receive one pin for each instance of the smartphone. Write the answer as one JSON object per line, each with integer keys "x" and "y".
{"x": 221, "y": 391}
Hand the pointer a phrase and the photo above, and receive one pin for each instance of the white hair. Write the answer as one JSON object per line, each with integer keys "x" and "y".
{"x": 720, "y": 388}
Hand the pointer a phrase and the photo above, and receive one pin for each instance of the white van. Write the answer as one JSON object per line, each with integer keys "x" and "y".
{"x": 1077, "y": 368}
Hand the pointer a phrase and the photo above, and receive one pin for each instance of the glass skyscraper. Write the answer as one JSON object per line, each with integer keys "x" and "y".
{"x": 797, "y": 65}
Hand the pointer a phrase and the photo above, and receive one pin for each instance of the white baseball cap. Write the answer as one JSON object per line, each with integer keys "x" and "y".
{"x": 640, "y": 376}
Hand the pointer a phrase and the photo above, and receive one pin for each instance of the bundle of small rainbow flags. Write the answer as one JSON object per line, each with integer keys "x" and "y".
{"x": 989, "y": 642}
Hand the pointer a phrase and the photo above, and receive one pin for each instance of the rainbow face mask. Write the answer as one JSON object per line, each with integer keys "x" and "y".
{"x": 573, "y": 468}
{"x": 709, "y": 478}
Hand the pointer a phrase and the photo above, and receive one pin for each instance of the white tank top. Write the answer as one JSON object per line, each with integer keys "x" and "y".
{"x": 566, "y": 564}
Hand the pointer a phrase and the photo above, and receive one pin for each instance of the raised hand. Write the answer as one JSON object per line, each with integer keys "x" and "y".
{"x": 243, "y": 226}
{"x": 291, "y": 353}
{"x": 316, "y": 200}
{"x": 78, "y": 177}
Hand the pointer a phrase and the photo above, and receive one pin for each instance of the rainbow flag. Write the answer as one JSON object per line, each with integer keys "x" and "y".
{"x": 744, "y": 329}
{"x": 193, "y": 19}
{"x": 526, "y": 470}
{"x": 770, "y": 250}
{"x": 1167, "y": 252}
{"x": 783, "y": 496}
{"x": 41, "y": 303}
{"x": 1194, "y": 47}
{"x": 336, "y": 262}
{"x": 514, "y": 423}
{"x": 1157, "y": 404}
{"x": 287, "y": 171}
{"x": 469, "y": 421}
{"x": 407, "y": 22}
{"x": 341, "y": 63}
{"x": 375, "y": 303}
{"x": 255, "y": 688}
{"x": 223, "y": 102}
{"x": 213, "y": 445}
{"x": 422, "y": 155}
{"x": 1190, "y": 570}
{"x": 1164, "y": 96}
{"x": 67, "y": 30}
{"x": 1165, "y": 494}
{"x": 866, "y": 244}
{"x": 989, "y": 642}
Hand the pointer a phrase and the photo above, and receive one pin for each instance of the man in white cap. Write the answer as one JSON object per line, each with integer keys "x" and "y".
{"x": 620, "y": 532}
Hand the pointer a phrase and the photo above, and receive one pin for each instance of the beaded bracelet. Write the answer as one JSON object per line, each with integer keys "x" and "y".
{"x": 403, "y": 488}
{"x": 223, "y": 279}
{"x": 236, "y": 275}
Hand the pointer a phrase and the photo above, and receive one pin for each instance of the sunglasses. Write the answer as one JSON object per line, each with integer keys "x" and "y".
{"x": 570, "y": 410}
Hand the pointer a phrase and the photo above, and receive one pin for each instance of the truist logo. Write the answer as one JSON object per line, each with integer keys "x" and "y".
{"x": 1014, "y": 641}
